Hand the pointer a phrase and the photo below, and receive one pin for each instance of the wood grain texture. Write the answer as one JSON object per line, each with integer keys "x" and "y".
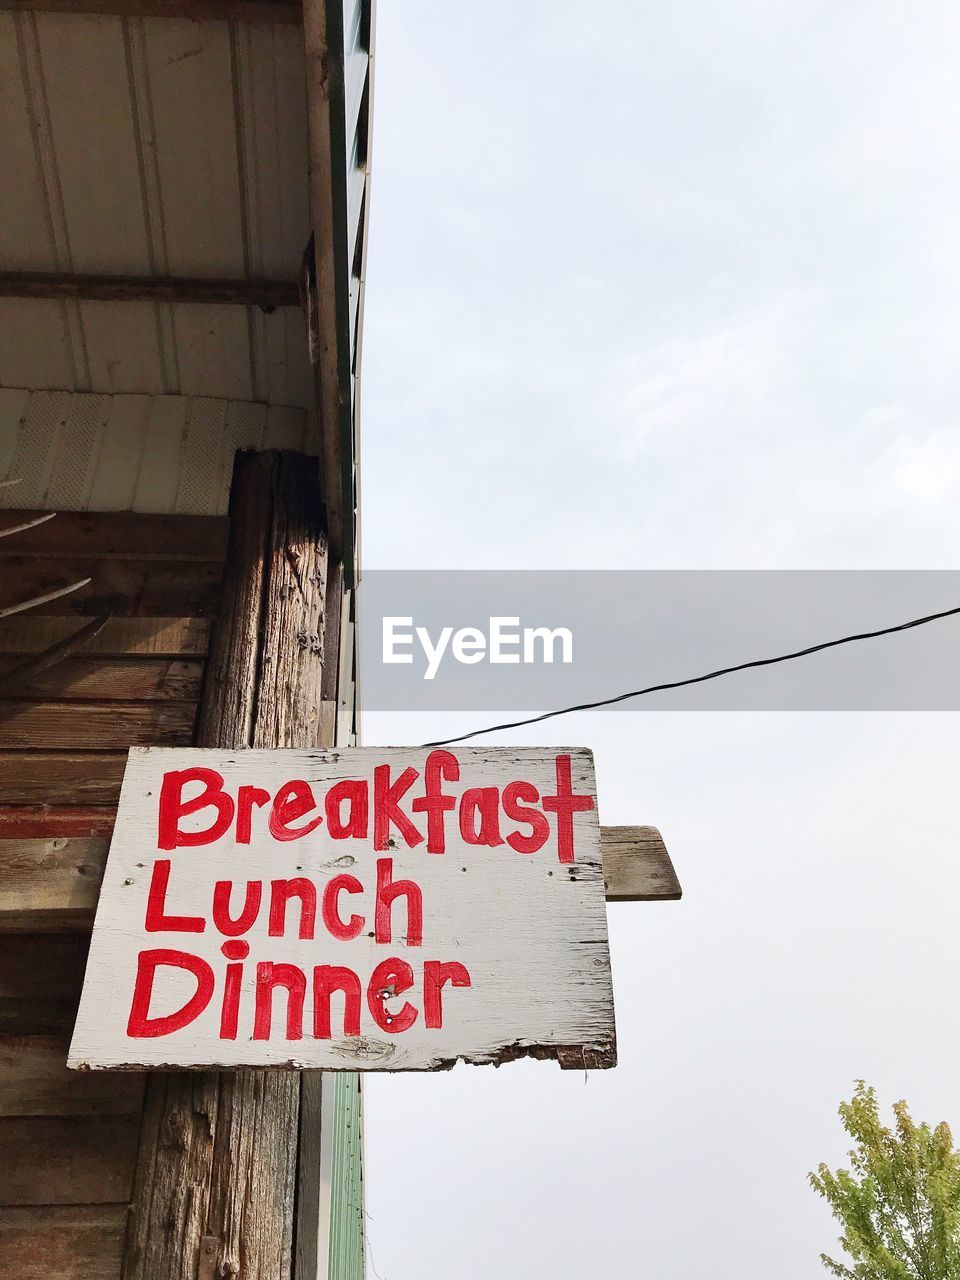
{"x": 253, "y": 1184}
{"x": 60, "y": 777}
{"x": 291, "y": 647}
{"x": 231, "y": 679}
{"x": 172, "y": 637}
{"x": 225, "y": 1192}
{"x": 636, "y": 866}
{"x": 72, "y": 1159}
{"x": 49, "y": 884}
{"x": 34, "y": 1081}
{"x": 70, "y": 1242}
{"x": 107, "y": 680}
{"x": 94, "y": 726}
{"x": 159, "y": 588}
{"x": 126, "y": 535}
{"x": 171, "y": 1189}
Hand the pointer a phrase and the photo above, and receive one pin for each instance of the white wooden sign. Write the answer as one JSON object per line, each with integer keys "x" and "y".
{"x": 371, "y": 908}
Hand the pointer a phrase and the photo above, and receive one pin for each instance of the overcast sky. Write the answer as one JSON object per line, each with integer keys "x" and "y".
{"x": 679, "y": 286}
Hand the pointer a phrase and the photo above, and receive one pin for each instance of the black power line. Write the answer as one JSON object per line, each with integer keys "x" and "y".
{"x": 710, "y": 675}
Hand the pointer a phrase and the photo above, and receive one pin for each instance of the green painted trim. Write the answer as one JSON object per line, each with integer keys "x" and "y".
{"x": 346, "y": 1256}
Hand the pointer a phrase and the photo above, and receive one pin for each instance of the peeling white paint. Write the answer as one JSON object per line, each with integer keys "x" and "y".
{"x": 527, "y": 928}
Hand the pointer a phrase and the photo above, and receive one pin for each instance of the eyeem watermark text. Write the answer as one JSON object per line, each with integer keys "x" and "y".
{"x": 503, "y": 642}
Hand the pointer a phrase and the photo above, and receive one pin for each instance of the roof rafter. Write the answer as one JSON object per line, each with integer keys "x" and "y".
{"x": 281, "y": 11}
{"x": 268, "y": 294}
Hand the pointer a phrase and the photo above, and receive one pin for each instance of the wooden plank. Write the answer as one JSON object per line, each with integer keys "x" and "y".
{"x": 45, "y": 1016}
{"x": 69, "y": 1242}
{"x": 110, "y": 680}
{"x": 45, "y": 822}
{"x": 94, "y": 726}
{"x": 268, "y": 294}
{"x": 40, "y": 980}
{"x": 60, "y": 778}
{"x": 172, "y": 637}
{"x": 236, "y": 1146}
{"x": 125, "y": 535}
{"x": 152, "y": 588}
{"x": 33, "y": 665}
{"x": 43, "y": 967}
{"x": 34, "y": 1081}
{"x": 636, "y": 866}
{"x": 289, "y": 691}
{"x": 71, "y": 1159}
{"x": 50, "y": 884}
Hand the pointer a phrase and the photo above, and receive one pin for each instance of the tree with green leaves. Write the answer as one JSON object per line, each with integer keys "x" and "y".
{"x": 899, "y": 1202}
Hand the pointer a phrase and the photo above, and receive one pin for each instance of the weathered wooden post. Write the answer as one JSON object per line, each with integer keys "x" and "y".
{"x": 216, "y": 1177}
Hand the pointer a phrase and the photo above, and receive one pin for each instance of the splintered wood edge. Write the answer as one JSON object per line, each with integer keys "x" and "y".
{"x": 636, "y": 866}
{"x": 599, "y": 1056}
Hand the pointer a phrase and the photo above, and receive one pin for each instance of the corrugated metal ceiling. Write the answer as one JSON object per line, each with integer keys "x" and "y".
{"x": 70, "y": 451}
{"x": 153, "y": 147}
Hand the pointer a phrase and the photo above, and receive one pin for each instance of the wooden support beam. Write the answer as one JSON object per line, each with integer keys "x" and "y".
{"x": 265, "y": 11}
{"x": 267, "y": 294}
{"x": 636, "y": 865}
{"x": 52, "y": 884}
{"x": 224, "y": 1192}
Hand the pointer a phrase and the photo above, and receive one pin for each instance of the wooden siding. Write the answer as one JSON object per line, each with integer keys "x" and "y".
{"x": 69, "y": 1242}
{"x": 67, "y": 715}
